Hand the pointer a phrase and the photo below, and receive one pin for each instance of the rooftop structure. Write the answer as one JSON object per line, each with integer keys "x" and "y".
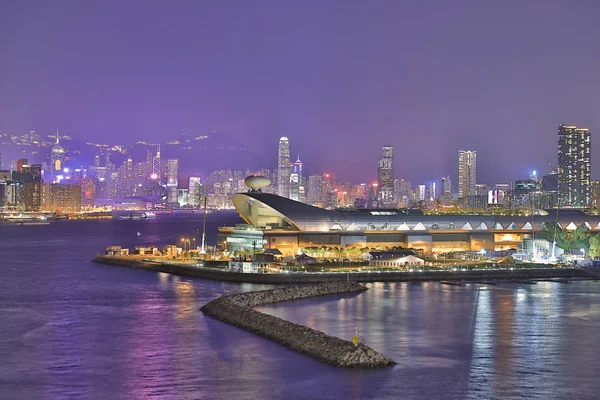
{"x": 290, "y": 225}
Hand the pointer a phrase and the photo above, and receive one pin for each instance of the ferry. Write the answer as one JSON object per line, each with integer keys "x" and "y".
{"x": 143, "y": 215}
{"x": 33, "y": 222}
{"x": 161, "y": 211}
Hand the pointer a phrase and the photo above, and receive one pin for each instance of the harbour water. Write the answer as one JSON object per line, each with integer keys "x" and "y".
{"x": 73, "y": 329}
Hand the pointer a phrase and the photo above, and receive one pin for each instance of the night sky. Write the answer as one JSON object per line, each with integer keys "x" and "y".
{"x": 339, "y": 78}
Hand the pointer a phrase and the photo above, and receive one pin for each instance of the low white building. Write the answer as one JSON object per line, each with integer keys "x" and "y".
{"x": 243, "y": 266}
{"x": 394, "y": 259}
{"x": 116, "y": 251}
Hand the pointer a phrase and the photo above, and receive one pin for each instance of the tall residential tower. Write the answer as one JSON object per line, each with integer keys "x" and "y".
{"x": 574, "y": 167}
{"x": 467, "y": 172}
{"x": 385, "y": 174}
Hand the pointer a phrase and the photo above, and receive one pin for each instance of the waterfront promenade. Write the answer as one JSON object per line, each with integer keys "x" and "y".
{"x": 363, "y": 276}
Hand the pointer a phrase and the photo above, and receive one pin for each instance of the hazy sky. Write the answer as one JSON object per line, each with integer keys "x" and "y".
{"x": 339, "y": 78}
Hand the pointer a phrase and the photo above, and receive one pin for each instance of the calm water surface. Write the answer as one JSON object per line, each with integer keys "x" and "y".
{"x": 73, "y": 329}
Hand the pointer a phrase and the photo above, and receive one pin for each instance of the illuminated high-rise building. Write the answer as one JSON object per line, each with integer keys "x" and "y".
{"x": 574, "y": 166}
{"x": 32, "y": 195}
{"x": 443, "y": 187}
{"x": 385, "y": 174}
{"x": 57, "y": 157}
{"x": 61, "y": 198}
{"x": 195, "y": 191}
{"x": 315, "y": 190}
{"x": 283, "y": 167}
{"x": 422, "y": 192}
{"x": 467, "y": 172}
{"x": 125, "y": 182}
{"x": 172, "y": 180}
{"x": 297, "y": 191}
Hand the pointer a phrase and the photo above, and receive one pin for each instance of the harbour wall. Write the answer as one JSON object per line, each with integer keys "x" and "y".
{"x": 238, "y": 310}
{"x": 365, "y": 276}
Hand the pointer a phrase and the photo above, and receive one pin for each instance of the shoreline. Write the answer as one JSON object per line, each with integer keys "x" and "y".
{"x": 316, "y": 277}
{"x": 238, "y": 310}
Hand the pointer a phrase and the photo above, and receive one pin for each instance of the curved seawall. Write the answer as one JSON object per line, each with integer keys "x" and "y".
{"x": 238, "y": 310}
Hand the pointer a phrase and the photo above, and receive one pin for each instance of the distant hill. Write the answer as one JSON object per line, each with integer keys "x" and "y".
{"x": 197, "y": 155}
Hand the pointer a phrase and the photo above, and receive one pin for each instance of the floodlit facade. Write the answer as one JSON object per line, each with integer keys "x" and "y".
{"x": 385, "y": 174}
{"x": 283, "y": 167}
{"x": 57, "y": 158}
{"x": 290, "y": 226}
{"x": 172, "y": 180}
{"x": 467, "y": 173}
{"x": 194, "y": 191}
{"x": 315, "y": 190}
{"x": 574, "y": 167}
{"x": 297, "y": 191}
{"x": 58, "y": 197}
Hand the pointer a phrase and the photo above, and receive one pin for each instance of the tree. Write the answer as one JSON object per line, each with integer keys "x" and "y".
{"x": 581, "y": 237}
{"x": 594, "y": 242}
{"x": 552, "y": 231}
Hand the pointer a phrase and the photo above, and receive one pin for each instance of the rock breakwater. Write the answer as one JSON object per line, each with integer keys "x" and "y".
{"x": 238, "y": 310}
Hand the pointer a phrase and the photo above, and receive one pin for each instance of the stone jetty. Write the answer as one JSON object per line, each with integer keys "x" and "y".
{"x": 238, "y": 310}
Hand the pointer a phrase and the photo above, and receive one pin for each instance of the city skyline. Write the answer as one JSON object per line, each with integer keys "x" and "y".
{"x": 547, "y": 163}
{"x": 467, "y": 77}
{"x": 308, "y": 199}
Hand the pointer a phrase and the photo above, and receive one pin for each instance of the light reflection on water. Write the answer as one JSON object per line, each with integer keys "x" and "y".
{"x": 72, "y": 329}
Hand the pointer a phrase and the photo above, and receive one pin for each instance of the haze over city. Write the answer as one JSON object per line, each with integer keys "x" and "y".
{"x": 340, "y": 78}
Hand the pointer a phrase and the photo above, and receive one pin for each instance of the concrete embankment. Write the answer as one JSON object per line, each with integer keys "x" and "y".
{"x": 291, "y": 278}
{"x": 238, "y": 310}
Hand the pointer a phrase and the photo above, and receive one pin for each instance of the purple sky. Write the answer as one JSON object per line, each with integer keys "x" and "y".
{"x": 339, "y": 78}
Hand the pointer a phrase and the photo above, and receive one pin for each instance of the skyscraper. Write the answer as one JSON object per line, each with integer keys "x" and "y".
{"x": 57, "y": 157}
{"x": 443, "y": 187}
{"x": 574, "y": 168}
{"x": 385, "y": 188}
{"x": 315, "y": 190}
{"x": 283, "y": 167}
{"x": 297, "y": 182}
{"x": 172, "y": 180}
{"x": 422, "y": 194}
{"x": 195, "y": 191}
{"x": 467, "y": 172}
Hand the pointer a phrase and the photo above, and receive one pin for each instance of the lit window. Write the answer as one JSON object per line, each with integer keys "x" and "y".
{"x": 571, "y": 226}
{"x": 482, "y": 227}
{"x": 419, "y": 227}
{"x": 512, "y": 227}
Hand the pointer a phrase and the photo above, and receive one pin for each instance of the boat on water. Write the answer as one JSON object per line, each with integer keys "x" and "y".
{"x": 161, "y": 211}
{"x": 24, "y": 219}
{"x": 57, "y": 216}
{"x": 138, "y": 216}
{"x": 33, "y": 222}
